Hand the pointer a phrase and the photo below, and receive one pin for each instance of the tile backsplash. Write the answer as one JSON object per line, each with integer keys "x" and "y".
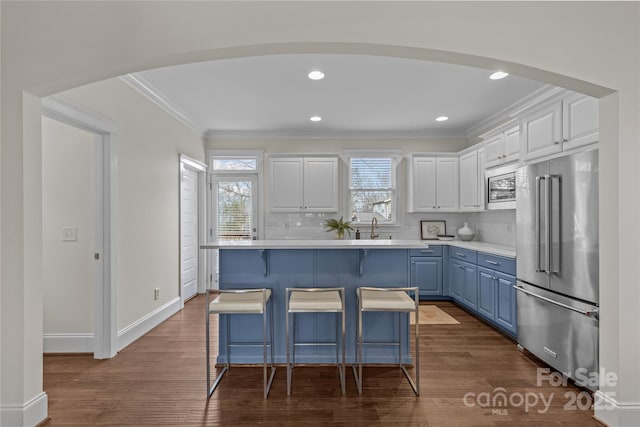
{"x": 492, "y": 227}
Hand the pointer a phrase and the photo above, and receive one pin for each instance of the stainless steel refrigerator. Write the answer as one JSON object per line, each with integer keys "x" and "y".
{"x": 557, "y": 262}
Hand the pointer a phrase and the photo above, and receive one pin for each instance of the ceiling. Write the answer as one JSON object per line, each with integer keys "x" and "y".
{"x": 360, "y": 95}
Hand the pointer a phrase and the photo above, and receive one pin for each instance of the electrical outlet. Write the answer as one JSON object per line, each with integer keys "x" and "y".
{"x": 156, "y": 294}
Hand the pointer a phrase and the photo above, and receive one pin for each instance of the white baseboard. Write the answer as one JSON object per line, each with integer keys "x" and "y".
{"x": 141, "y": 326}
{"x": 616, "y": 414}
{"x": 67, "y": 343}
{"x": 28, "y": 414}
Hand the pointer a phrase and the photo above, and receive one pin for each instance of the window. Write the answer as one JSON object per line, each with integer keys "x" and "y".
{"x": 234, "y": 195}
{"x": 234, "y": 164}
{"x": 372, "y": 189}
{"x": 235, "y": 207}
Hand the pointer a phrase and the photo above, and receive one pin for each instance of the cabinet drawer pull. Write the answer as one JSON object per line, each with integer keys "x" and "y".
{"x": 426, "y": 251}
{"x": 460, "y": 254}
{"x": 492, "y": 262}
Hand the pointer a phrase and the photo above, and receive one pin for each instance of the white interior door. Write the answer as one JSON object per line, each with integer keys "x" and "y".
{"x": 188, "y": 232}
{"x": 72, "y": 227}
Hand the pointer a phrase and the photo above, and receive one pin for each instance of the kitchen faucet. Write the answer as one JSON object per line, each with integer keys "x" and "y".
{"x": 374, "y": 225}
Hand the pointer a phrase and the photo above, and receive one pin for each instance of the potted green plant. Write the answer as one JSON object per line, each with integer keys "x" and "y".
{"x": 339, "y": 226}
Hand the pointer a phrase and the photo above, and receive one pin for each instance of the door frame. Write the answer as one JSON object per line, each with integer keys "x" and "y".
{"x": 201, "y": 168}
{"x": 105, "y": 330}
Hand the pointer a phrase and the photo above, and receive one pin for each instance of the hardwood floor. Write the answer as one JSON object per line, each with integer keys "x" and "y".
{"x": 160, "y": 380}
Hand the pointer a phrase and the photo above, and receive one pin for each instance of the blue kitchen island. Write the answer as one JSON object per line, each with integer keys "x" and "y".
{"x": 285, "y": 264}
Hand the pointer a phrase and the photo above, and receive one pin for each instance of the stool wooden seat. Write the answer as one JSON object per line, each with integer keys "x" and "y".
{"x": 241, "y": 301}
{"x": 315, "y": 300}
{"x": 389, "y": 300}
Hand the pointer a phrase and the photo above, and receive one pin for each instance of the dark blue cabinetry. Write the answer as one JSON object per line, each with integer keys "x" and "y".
{"x": 483, "y": 283}
{"x": 427, "y": 272}
{"x": 480, "y": 282}
{"x": 279, "y": 269}
{"x": 464, "y": 283}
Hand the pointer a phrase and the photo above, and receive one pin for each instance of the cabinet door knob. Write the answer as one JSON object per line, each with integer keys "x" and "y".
{"x": 565, "y": 140}
{"x": 556, "y": 142}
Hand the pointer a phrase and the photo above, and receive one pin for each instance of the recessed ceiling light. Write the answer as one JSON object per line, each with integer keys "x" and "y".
{"x": 498, "y": 75}
{"x": 315, "y": 118}
{"x": 316, "y": 75}
{"x": 442, "y": 119}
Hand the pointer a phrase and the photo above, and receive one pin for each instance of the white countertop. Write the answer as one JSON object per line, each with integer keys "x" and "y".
{"x": 507, "y": 251}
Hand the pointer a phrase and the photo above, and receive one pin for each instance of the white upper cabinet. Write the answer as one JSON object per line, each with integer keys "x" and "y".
{"x": 423, "y": 184}
{"x": 511, "y": 144}
{"x": 321, "y": 184}
{"x": 502, "y": 146}
{"x": 579, "y": 121}
{"x": 542, "y": 131}
{"x": 304, "y": 184}
{"x": 559, "y": 125}
{"x": 447, "y": 183}
{"x": 433, "y": 184}
{"x": 472, "y": 165}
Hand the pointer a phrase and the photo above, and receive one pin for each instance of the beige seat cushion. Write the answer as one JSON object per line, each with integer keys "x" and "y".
{"x": 389, "y": 300}
{"x": 315, "y": 301}
{"x": 250, "y": 302}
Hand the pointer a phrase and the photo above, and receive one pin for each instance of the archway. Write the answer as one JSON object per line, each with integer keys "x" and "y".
{"x": 465, "y": 34}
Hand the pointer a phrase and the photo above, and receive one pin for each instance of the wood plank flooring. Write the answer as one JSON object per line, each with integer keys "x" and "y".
{"x": 160, "y": 380}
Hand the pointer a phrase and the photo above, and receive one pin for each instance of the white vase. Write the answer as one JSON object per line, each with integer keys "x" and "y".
{"x": 465, "y": 233}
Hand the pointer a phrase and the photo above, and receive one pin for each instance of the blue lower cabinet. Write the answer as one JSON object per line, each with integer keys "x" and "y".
{"x": 426, "y": 273}
{"x": 279, "y": 269}
{"x": 497, "y": 298}
{"x": 456, "y": 280}
{"x": 486, "y": 293}
{"x": 506, "y": 302}
{"x": 470, "y": 286}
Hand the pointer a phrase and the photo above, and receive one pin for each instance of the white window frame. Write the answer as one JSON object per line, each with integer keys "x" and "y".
{"x": 258, "y": 155}
{"x": 396, "y": 158}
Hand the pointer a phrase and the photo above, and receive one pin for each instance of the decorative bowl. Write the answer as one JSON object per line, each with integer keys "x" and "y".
{"x": 445, "y": 237}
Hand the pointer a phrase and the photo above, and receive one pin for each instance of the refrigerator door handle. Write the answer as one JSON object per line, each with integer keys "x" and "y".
{"x": 547, "y": 223}
{"x": 551, "y": 261}
{"x": 537, "y": 222}
{"x": 589, "y": 313}
{"x": 539, "y": 180}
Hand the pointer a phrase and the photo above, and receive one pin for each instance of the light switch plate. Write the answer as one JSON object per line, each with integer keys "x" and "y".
{"x": 69, "y": 234}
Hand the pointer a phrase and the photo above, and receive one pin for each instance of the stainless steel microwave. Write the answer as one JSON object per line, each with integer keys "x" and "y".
{"x": 500, "y": 188}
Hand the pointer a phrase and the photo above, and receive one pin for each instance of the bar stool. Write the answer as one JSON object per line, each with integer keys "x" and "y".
{"x": 390, "y": 300}
{"x": 241, "y": 301}
{"x": 315, "y": 300}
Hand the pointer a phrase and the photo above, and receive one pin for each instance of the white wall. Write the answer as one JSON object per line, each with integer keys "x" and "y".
{"x": 148, "y": 192}
{"x": 68, "y": 200}
{"x": 594, "y": 48}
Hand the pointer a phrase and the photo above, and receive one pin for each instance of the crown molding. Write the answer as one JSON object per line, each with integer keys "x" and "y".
{"x": 142, "y": 85}
{"x": 507, "y": 114}
{"x": 356, "y": 134}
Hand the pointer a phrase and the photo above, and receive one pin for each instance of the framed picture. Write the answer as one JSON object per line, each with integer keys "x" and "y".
{"x": 429, "y": 230}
